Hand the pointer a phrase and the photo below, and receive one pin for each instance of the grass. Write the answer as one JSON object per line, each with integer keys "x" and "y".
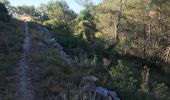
{"x": 57, "y": 79}
{"x": 54, "y": 73}
{"x": 11, "y": 39}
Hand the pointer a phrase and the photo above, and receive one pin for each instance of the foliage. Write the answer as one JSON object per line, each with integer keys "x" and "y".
{"x": 142, "y": 26}
{"x": 11, "y": 9}
{"x": 4, "y": 13}
{"x": 122, "y": 76}
{"x": 11, "y": 39}
{"x": 58, "y": 10}
{"x": 55, "y": 24}
{"x": 142, "y": 30}
{"x": 6, "y": 2}
{"x": 161, "y": 91}
{"x": 29, "y": 10}
{"x": 85, "y": 25}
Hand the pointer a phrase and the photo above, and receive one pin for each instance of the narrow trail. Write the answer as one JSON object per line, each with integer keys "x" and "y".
{"x": 25, "y": 82}
{"x": 25, "y": 88}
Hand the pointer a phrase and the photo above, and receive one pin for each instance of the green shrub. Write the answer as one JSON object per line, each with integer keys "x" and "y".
{"x": 122, "y": 77}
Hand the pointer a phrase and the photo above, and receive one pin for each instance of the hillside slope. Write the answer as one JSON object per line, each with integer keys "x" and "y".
{"x": 45, "y": 73}
{"x": 11, "y": 39}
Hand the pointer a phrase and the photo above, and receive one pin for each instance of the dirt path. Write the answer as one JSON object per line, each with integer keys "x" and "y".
{"x": 26, "y": 79}
{"x": 25, "y": 88}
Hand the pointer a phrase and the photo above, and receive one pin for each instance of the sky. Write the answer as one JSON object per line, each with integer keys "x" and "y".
{"x": 73, "y": 5}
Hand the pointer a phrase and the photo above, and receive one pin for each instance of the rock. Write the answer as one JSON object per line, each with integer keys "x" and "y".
{"x": 59, "y": 49}
{"x": 52, "y": 40}
{"x": 45, "y": 30}
{"x": 90, "y": 78}
{"x": 88, "y": 84}
{"x": 113, "y": 95}
{"x": 102, "y": 92}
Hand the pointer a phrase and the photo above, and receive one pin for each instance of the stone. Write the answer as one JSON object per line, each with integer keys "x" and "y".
{"x": 103, "y": 92}
{"x": 52, "y": 40}
{"x": 90, "y": 78}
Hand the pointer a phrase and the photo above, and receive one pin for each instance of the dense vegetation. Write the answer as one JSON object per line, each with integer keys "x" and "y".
{"x": 124, "y": 43}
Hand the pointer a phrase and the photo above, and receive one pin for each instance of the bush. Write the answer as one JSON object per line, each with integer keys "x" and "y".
{"x": 4, "y": 17}
{"x": 123, "y": 82}
{"x": 122, "y": 77}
